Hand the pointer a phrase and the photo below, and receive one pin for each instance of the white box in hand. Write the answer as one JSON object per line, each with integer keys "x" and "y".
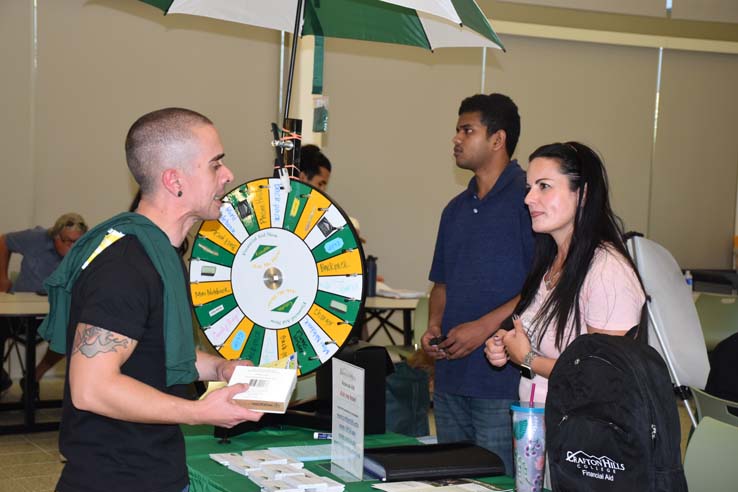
{"x": 270, "y": 388}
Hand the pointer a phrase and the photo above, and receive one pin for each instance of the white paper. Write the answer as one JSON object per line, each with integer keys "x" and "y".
{"x": 384, "y": 290}
{"x": 347, "y": 443}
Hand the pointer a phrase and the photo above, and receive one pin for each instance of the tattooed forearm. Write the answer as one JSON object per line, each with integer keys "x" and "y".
{"x": 92, "y": 340}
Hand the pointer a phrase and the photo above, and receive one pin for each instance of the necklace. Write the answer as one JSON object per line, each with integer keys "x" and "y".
{"x": 551, "y": 280}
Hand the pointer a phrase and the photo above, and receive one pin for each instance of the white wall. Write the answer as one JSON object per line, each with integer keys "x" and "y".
{"x": 100, "y": 64}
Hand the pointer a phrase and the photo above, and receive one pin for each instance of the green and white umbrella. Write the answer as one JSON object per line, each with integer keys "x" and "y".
{"x": 428, "y": 24}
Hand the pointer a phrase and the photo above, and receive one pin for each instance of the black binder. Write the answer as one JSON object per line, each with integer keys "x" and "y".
{"x": 432, "y": 461}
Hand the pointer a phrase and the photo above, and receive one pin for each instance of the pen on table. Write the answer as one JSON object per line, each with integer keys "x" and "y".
{"x": 322, "y": 435}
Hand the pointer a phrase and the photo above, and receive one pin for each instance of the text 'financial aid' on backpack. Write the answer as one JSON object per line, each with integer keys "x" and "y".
{"x": 611, "y": 419}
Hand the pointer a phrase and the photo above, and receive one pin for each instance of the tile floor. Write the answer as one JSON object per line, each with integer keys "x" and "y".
{"x": 29, "y": 462}
{"x": 32, "y": 463}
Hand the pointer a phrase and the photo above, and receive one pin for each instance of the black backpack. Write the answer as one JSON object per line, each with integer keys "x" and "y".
{"x": 611, "y": 419}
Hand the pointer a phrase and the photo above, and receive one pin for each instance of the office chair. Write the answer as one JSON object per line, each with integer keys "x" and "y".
{"x": 714, "y": 407}
{"x": 709, "y": 463}
{"x": 674, "y": 328}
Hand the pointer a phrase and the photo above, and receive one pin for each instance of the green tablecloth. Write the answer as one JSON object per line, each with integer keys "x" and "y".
{"x": 208, "y": 476}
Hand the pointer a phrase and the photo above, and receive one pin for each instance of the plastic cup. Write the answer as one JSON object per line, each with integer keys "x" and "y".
{"x": 529, "y": 435}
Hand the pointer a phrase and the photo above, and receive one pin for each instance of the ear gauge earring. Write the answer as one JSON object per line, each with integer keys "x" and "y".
{"x": 179, "y": 194}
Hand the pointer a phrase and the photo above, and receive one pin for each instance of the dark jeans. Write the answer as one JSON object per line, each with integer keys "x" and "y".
{"x": 485, "y": 422}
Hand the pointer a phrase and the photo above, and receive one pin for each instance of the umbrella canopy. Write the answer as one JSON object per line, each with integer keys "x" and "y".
{"x": 427, "y": 24}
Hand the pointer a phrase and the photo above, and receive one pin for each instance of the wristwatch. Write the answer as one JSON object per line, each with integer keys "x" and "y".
{"x": 526, "y": 367}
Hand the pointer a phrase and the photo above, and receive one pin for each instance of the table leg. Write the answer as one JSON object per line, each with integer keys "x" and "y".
{"x": 28, "y": 326}
{"x": 29, "y": 389}
{"x": 383, "y": 318}
{"x": 407, "y": 326}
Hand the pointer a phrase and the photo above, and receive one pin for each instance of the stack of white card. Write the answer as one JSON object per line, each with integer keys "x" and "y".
{"x": 266, "y": 457}
{"x": 236, "y": 462}
{"x": 275, "y": 473}
{"x": 225, "y": 458}
{"x": 307, "y": 481}
{"x": 249, "y": 462}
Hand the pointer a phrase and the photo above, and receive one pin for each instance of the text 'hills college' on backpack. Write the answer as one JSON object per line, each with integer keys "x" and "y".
{"x": 611, "y": 419}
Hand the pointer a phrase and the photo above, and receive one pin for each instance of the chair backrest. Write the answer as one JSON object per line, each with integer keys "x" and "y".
{"x": 674, "y": 327}
{"x": 717, "y": 408}
{"x": 718, "y": 315}
{"x": 709, "y": 464}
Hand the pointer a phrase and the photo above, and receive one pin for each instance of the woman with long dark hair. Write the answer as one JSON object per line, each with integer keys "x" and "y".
{"x": 582, "y": 279}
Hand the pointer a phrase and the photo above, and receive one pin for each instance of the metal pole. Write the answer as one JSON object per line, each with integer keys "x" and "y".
{"x": 290, "y": 76}
{"x": 670, "y": 364}
{"x": 281, "y": 73}
{"x": 484, "y": 68}
{"x": 654, "y": 136}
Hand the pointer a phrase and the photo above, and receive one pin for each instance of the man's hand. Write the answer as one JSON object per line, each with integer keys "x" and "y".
{"x": 463, "y": 339}
{"x": 215, "y": 368}
{"x": 97, "y": 385}
{"x": 433, "y": 351}
{"x": 218, "y": 408}
{"x": 224, "y": 369}
{"x": 495, "y": 350}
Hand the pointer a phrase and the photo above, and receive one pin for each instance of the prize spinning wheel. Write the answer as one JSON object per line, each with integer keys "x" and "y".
{"x": 280, "y": 272}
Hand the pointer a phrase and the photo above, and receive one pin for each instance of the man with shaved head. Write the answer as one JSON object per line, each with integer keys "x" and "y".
{"x": 120, "y": 311}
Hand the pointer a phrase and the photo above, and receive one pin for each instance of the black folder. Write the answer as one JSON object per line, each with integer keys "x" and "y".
{"x": 432, "y": 461}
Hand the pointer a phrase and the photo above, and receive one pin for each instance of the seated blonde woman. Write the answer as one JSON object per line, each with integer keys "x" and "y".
{"x": 582, "y": 279}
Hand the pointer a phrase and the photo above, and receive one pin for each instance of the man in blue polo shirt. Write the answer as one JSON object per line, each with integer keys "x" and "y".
{"x": 42, "y": 251}
{"x": 483, "y": 252}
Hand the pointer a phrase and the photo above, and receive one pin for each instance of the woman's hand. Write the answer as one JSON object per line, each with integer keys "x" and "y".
{"x": 494, "y": 349}
{"x": 516, "y": 342}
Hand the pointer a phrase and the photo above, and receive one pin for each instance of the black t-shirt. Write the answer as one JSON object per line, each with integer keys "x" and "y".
{"x": 122, "y": 292}
{"x": 722, "y": 381}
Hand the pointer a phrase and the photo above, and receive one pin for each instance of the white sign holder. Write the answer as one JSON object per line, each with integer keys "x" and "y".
{"x": 347, "y": 417}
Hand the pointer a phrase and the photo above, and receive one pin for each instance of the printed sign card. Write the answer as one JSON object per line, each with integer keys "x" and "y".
{"x": 347, "y": 445}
